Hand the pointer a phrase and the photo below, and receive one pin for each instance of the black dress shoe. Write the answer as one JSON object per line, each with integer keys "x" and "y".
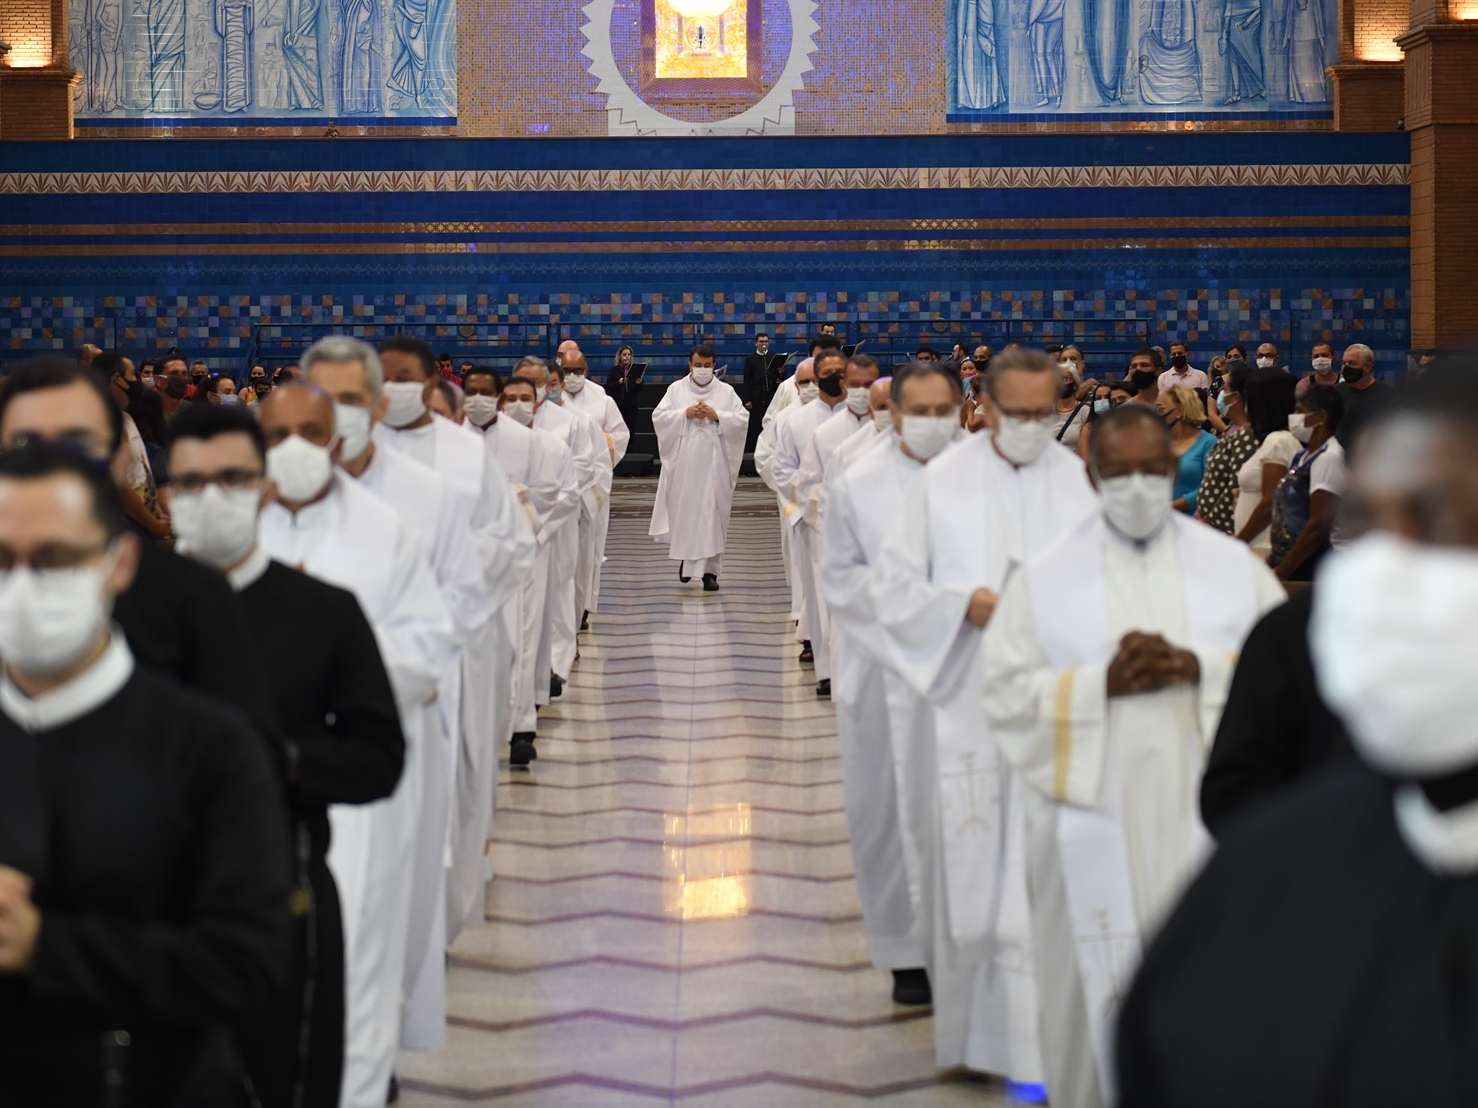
{"x": 585, "y": 622}
{"x": 710, "y": 582}
{"x": 392, "y": 1094}
{"x": 556, "y": 686}
{"x": 521, "y": 749}
{"x": 808, "y": 657}
{"x": 823, "y": 689}
{"x": 680, "y": 576}
{"x": 911, "y": 987}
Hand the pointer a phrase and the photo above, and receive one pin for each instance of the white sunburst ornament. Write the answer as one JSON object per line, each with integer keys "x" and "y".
{"x": 628, "y": 114}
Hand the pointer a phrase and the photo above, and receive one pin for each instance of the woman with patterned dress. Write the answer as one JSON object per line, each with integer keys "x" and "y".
{"x": 1217, "y": 501}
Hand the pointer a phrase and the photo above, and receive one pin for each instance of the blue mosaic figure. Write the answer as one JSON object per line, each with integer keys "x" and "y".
{"x": 1301, "y": 36}
{"x": 165, "y": 28}
{"x": 408, "y": 68}
{"x": 1240, "y": 43}
{"x": 235, "y": 21}
{"x": 1105, "y": 34}
{"x": 300, "y": 54}
{"x": 1169, "y": 63}
{"x": 978, "y": 81}
{"x": 359, "y": 58}
{"x": 1048, "y": 61}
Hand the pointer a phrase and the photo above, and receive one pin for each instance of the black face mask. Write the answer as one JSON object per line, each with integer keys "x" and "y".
{"x": 832, "y": 385}
{"x": 1144, "y": 378}
{"x": 258, "y": 382}
{"x": 1352, "y": 373}
{"x": 1066, "y": 389}
{"x": 175, "y": 388}
{"x": 1179, "y": 361}
{"x": 131, "y": 389}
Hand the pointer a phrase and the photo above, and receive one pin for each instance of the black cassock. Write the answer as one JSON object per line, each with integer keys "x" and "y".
{"x": 1315, "y": 962}
{"x": 153, "y": 829}
{"x": 760, "y": 383}
{"x": 343, "y": 744}
{"x": 1275, "y": 730}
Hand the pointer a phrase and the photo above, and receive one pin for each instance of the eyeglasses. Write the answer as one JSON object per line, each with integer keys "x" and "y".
{"x": 229, "y": 479}
{"x": 51, "y": 557}
{"x": 86, "y": 443}
{"x": 1028, "y": 417}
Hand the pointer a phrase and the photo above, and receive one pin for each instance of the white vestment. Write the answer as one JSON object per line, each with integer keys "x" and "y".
{"x": 1113, "y": 825}
{"x": 810, "y": 495}
{"x": 784, "y": 397}
{"x": 968, "y": 518}
{"x": 353, "y": 539}
{"x": 561, "y": 621}
{"x": 590, "y": 533}
{"x": 765, "y": 450}
{"x": 865, "y": 439}
{"x": 793, "y": 438}
{"x": 700, "y": 467}
{"x": 595, "y": 402}
{"x": 542, "y": 470}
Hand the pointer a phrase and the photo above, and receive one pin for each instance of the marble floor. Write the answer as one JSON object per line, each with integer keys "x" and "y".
{"x": 673, "y": 917}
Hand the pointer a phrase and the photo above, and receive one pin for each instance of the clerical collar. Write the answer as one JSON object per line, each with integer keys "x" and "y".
{"x": 1445, "y": 842}
{"x": 89, "y": 690}
{"x": 250, "y": 571}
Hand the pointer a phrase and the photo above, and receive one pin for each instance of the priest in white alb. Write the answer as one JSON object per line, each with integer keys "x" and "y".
{"x": 804, "y": 383}
{"x": 1108, "y": 661}
{"x": 877, "y": 714}
{"x": 877, "y": 431}
{"x": 983, "y": 506}
{"x": 589, "y": 397}
{"x": 701, "y": 424}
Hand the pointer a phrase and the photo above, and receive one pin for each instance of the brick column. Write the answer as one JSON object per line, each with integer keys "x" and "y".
{"x": 36, "y": 77}
{"x": 1368, "y": 76}
{"x": 1442, "y": 116}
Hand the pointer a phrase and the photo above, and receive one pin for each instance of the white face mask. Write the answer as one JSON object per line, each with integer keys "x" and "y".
{"x": 702, "y": 375}
{"x": 300, "y": 468}
{"x": 882, "y": 419}
{"x": 482, "y": 410}
{"x": 1264, "y": 362}
{"x": 216, "y": 526}
{"x": 926, "y": 436}
{"x": 1138, "y": 504}
{"x": 520, "y": 411}
{"x": 407, "y": 402}
{"x": 1393, "y": 640}
{"x": 807, "y": 392}
{"x": 553, "y": 394}
{"x": 353, "y": 425}
{"x": 1023, "y": 441}
{"x": 574, "y": 383}
{"x": 858, "y": 401}
{"x": 1298, "y": 424}
{"x": 1323, "y": 365}
{"x": 541, "y": 393}
{"x": 48, "y": 619}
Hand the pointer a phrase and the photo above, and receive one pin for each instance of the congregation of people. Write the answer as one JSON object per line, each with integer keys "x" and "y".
{"x": 1155, "y": 727}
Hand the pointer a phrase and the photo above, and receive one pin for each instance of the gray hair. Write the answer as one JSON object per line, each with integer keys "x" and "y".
{"x": 915, "y": 371}
{"x": 1363, "y": 352}
{"x": 529, "y": 360}
{"x": 1017, "y": 360}
{"x": 340, "y": 349}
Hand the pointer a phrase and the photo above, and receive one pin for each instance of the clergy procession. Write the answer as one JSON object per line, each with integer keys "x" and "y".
{"x": 1153, "y": 698}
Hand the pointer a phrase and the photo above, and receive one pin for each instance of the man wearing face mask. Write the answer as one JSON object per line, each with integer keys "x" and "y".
{"x": 1323, "y": 369}
{"x": 179, "y": 617}
{"x": 1181, "y": 372}
{"x": 807, "y": 391}
{"x": 700, "y": 426}
{"x": 543, "y": 474}
{"x": 875, "y": 432}
{"x": 793, "y": 438}
{"x": 1267, "y": 356}
{"x": 475, "y": 696}
{"x": 557, "y": 645}
{"x": 612, "y": 437}
{"x": 1103, "y": 702}
{"x": 852, "y": 415}
{"x": 331, "y": 527}
{"x": 176, "y": 392}
{"x": 1329, "y": 937}
{"x": 339, "y": 739}
{"x": 877, "y": 715}
{"x": 127, "y": 389}
{"x": 143, "y": 852}
{"x": 1144, "y": 377}
{"x": 786, "y": 394}
{"x": 972, "y": 514}
{"x": 1363, "y": 395}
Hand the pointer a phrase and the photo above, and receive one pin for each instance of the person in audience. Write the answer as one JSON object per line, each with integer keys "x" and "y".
{"x": 339, "y": 739}
{"x": 1181, "y": 410}
{"x": 1267, "y": 400}
{"x": 1363, "y": 395}
{"x": 1073, "y": 410}
{"x": 1236, "y": 352}
{"x": 922, "y": 354}
{"x": 141, "y": 502}
{"x": 1144, "y": 377}
{"x": 625, "y": 385}
{"x": 982, "y": 356}
{"x": 147, "y": 369}
{"x": 1267, "y": 356}
{"x": 1306, "y": 505}
{"x": 1322, "y": 370}
{"x": 1216, "y": 370}
{"x": 1216, "y": 502}
{"x": 1102, "y": 698}
{"x": 87, "y": 352}
{"x": 256, "y": 378}
{"x": 1322, "y": 955}
{"x": 1181, "y": 373}
{"x": 177, "y": 387}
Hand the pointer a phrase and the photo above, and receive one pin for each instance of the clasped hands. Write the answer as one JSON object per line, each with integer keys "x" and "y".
{"x": 1148, "y": 663}
{"x": 701, "y": 410}
{"x": 20, "y": 921}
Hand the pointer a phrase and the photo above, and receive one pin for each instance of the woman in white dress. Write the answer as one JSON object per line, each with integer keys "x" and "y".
{"x": 1270, "y": 402}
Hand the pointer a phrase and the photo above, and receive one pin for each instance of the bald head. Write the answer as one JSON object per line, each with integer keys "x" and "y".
{"x": 567, "y": 350}
{"x": 805, "y": 373}
{"x": 298, "y": 409}
{"x": 88, "y": 353}
{"x": 880, "y": 396}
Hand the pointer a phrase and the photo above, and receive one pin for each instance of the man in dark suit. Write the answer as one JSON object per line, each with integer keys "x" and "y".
{"x": 761, "y": 379}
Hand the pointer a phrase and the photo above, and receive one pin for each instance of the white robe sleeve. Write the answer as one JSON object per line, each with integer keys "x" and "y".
{"x": 733, "y": 428}
{"x": 764, "y": 454}
{"x": 845, "y": 573}
{"x": 670, "y": 422}
{"x": 1051, "y": 725}
{"x": 413, "y": 627}
{"x": 552, "y": 489}
{"x": 1217, "y": 666}
{"x": 785, "y": 396}
{"x": 786, "y": 466}
{"x": 459, "y": 568}
{"x": 618, "y": 435}
{"x": 505, "y": 537}
{"x": 808, "y": 483}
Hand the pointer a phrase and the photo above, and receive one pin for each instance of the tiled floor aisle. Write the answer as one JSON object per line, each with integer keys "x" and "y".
{"x": 674, "y": 918}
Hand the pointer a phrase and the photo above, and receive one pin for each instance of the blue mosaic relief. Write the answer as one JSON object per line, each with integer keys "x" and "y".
{"x": 1049, "y": 60}
{"x": 182, "y": 63}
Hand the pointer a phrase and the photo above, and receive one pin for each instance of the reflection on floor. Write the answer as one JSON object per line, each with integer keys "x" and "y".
{"x": 673, "y": 917}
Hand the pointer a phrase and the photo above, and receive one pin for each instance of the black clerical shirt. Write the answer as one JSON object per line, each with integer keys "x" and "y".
{"x": 150, "y": 821}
